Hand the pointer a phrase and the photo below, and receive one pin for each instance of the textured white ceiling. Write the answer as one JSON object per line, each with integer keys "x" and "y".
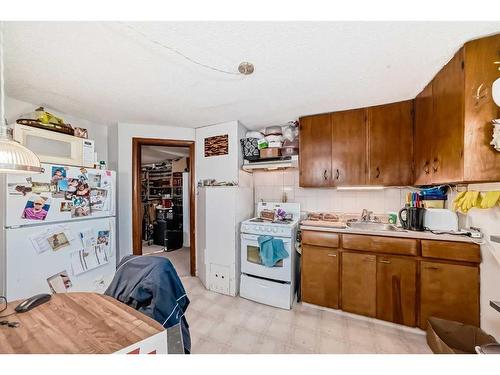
{"x": 108, "y": 73}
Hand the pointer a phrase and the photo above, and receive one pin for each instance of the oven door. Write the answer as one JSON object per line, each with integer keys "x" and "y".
{"x": 251, "y": 262}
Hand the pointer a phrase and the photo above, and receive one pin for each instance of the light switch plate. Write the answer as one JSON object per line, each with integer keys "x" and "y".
{"x": 495, "y": 238}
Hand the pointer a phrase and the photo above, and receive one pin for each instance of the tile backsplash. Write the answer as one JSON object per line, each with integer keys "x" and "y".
{"x": 273, "y": 185}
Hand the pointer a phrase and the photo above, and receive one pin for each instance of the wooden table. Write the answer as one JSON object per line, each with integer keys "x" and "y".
{"x": 82, "y": 323}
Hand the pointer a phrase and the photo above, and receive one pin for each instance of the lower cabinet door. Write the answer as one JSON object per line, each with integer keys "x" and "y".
{"x": 397, "y": 290}
{"x": 320, "y": 276}
{"x": 359, "y": 276}
{"x": 449, "y": 291}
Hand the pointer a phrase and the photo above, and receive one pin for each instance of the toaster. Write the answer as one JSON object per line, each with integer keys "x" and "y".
{"x": 440, "y": 219}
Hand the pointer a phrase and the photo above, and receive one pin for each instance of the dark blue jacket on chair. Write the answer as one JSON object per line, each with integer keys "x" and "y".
{"x": 151, "y": 285}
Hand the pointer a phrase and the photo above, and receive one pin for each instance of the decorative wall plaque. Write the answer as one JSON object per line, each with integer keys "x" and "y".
{"x": 217, "y": 145}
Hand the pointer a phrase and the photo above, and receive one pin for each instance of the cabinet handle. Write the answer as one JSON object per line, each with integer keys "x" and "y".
{"x": 481, "y": 93}
{"x": 378, "y": 173}
{"x": 332, "y": 255}
{"x": 385, "y": 261}
{"x": 431, "y": 268}
{"x": 426, "y": 167}
{"x": 325, "y": 176}
{"x": 337, "y": 174}
{"x": 435, "y": 165}
{"x": 368, "y": 260}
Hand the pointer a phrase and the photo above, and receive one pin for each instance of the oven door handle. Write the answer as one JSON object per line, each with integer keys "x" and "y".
{"x": 251, "y": 237}
{"x": 254, "y": 237}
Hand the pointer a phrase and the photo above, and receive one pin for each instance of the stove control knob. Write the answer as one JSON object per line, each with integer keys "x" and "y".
{"x": 268, "y": 229}
{"x": 275, "y": 230}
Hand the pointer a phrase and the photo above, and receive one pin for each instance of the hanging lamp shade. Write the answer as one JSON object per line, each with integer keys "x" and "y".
{"x": 15, "y": 158}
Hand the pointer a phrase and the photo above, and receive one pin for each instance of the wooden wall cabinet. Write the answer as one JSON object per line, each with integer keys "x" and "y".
{"x": 349, "y": 137}
{"x": 444, "y": 139}
{"x": 368, "y": 146}
{"x": 390, "y": 148}
{"x": 397, "y": 290}
{"x": 453, "y": 118}
{"x": 481, "y": 161}
{"x": 359, "y": 280}
{"x": 449, "y": 291}
{"x": 447, "y": 142}
{"x": 424, "y": 136}
{"x": 320, "y": 276}
{"x": 315, "y": 155}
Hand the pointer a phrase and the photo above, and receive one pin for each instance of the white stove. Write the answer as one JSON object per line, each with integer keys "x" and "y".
{"x": 275, "y": 286}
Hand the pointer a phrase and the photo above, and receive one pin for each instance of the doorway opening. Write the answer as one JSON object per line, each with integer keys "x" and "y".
{"x": 163, "y": 221}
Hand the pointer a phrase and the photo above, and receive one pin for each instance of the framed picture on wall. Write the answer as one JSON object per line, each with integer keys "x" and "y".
{"x": 217, "y": 145}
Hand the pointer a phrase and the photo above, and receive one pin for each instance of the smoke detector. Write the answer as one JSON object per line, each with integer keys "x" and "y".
{"x": 246, "y": 68}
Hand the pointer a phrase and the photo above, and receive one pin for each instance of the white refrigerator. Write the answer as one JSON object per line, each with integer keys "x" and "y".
{"x": 57, "y": 231}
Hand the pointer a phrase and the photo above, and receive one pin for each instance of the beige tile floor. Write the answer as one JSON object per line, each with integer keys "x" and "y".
{"x": 179, "y": 258}
{"x": 223, "y": 324}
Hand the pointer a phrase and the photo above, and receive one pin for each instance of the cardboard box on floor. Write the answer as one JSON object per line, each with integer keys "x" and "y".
{"x": 449, "y": 337}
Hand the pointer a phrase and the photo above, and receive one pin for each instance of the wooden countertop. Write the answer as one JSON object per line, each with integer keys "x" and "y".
{"x": 80, "y": 323}
{"x": 400, "y": 233}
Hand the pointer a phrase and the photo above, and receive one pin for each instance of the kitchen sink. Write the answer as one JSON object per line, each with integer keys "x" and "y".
{"x": 372, "y": 226}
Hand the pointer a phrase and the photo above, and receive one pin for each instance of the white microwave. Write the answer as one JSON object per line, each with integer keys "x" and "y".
{"x": 56, "y": 148}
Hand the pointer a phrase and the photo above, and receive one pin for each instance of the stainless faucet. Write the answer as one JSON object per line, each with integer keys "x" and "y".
{"x": 366, "y": 215}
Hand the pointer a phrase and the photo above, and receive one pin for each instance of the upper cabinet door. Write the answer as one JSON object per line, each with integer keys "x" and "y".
{"x": 481, "y": 161}
{"x": 315, "y": 156}
{"x": 349, "y": 143}
{"x": 390, "y": 137}
{"x": 448, "y": 135}
{"x": 424, "y": 128}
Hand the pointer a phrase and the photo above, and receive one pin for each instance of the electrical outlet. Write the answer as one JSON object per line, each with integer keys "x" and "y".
{"x": 219, "y": 278}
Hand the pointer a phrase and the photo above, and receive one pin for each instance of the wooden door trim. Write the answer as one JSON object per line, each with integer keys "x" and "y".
{"x": 137, "y": 144}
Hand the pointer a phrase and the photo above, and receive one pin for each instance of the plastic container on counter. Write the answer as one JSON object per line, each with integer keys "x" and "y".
{"x": 434, "y": 202}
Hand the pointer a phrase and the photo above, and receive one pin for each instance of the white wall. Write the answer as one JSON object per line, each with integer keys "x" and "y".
{"x": 271, "y": 185}
{"x": 113, "y": 147}
{"x": 98, "y": 132}
{"x": 125, "y": 132}
{"x": 224, "y": 167}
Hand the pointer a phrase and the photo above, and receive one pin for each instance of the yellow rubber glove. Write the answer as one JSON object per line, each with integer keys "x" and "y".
{"x": 470, "y": 199}
{"x": 477, "y": 199}
{"x": 457, "y": 202}
{"x": 490, "y": 199}
{"x": 464, "y": 207}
